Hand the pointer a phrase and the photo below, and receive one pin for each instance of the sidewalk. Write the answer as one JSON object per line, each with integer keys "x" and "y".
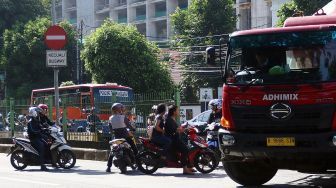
{"x": 81, "y": 153}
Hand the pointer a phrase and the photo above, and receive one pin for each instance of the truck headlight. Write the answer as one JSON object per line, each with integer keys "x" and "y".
{"x": 228, "y": 140}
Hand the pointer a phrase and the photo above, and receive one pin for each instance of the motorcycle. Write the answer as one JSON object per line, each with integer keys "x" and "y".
{"x": 202, "y": 158}
{"x": 24, "y": 154}
{"x": 212, "y": 138}
{"x": 122, "y": 155}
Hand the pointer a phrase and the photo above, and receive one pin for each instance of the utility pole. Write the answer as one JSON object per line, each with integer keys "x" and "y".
{"x": 79, "y": 47}
{"x": 53, "y": 12}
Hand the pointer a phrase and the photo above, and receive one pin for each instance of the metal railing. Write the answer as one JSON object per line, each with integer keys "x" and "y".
{"x": 78, "y": 129}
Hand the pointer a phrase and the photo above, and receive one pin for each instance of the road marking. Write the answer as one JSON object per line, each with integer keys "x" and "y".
{"x": 29, "y": 181}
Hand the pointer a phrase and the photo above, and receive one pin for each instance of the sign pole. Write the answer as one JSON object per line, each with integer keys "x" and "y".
{"x": 56, "y": 70}
{"x": 55, "y": 38}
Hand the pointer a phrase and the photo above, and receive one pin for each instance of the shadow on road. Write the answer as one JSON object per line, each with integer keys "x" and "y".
{"x": 180, "y": 175}
{"x": 70, "y": 171}
{"x": 77, "y": 170}
{"x": 319, "y": 180}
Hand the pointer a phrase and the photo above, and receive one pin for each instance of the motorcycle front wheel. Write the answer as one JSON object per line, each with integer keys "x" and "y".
{"x": 66, "y": 159}
{"x": 205, "y": 162}
{"x": 147, "y": 162}
{"x": 17, "y": 160}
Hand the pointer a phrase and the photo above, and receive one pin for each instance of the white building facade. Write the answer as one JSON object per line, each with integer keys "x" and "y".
{"x": 257, "y": 13}
{"x": 151, "y": 17}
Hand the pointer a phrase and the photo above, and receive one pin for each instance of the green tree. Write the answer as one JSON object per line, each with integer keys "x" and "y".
{"x": 205, "y": 17}
{"x": 305, "y": 7}
{"x": 21, "y": 11}
{"x": 119, "y": 53}
{"x": 24, "y": 57}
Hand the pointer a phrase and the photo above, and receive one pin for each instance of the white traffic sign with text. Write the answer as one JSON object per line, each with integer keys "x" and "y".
{"x": 56, "y": 58}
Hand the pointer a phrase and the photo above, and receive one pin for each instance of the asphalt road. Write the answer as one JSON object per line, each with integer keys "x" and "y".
{"x": 91, "y": 174}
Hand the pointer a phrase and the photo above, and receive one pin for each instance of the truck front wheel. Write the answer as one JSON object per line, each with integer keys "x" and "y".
{"x": 250, "y": 173}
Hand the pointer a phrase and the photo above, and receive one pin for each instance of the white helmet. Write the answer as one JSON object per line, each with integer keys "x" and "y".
{"x": 34, "y": 111}
{"x": 215, "y": 103}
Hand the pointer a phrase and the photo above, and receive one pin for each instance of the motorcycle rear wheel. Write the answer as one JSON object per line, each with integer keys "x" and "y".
{"x": 66, "y": 159}
{"x": 205, "y": 162}
{"x": 147, "y": 162}
{"x": 17, "y": 160}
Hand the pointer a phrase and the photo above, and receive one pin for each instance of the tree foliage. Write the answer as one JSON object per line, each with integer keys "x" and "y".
{"x": 67, "y": 83}
{"x": 20, "y": 11}
{"x": 119, "y": 53}
{"x": 24, "y": 57}
{"x": 205, "y": 17}
{"x": 202, "y": 18}
{"x": 306, "y": 7}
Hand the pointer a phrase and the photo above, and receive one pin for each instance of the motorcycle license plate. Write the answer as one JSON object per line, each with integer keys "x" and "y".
{"x": 281, "y": 141}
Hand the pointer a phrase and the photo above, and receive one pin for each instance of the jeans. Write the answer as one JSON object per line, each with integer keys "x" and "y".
{"x": 164, "y": 142}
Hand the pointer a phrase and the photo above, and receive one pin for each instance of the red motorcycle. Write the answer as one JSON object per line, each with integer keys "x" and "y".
{"x": 203, "y": 159}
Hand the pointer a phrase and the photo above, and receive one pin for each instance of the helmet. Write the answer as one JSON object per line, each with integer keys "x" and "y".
{"x": 43, "y": 106}
{"x": 34, "y": 111}
{"x": 117, "y": 106}
{"x": 215, "y": 103}
{"x": 154, "y": 108}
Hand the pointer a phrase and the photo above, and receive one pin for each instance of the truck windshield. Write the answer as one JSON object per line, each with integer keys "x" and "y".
{"x": 282, "y": 58}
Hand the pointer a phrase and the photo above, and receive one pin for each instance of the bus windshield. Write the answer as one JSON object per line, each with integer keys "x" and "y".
{"x": 282, "y": 58}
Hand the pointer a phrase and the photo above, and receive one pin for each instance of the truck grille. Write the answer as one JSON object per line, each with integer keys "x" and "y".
{"x": 304, "y": 119}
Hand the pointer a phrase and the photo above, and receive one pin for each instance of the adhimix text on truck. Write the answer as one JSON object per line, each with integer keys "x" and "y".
{"x": 279, "y": 99}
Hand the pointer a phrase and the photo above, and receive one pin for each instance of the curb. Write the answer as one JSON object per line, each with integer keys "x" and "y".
{"x": 81, "y": 153}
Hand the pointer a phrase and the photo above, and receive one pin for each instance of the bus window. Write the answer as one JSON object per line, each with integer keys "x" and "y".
{"x": 86, "y": 101}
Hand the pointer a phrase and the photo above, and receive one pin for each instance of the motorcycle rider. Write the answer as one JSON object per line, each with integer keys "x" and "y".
{"x": 45, "y": 121}
{"x": 119, "y": 125}
{"x": 173, "y": 131}
{"x": 216, "y": 107}
{"x": 158, "y": 136}
{"x": 35, "y": 134}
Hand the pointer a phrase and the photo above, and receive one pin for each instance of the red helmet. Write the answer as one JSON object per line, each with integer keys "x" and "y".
{"x": 43, "y": 106}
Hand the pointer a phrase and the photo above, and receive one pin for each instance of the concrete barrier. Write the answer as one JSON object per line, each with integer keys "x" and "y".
{"x": 81, "y": 153}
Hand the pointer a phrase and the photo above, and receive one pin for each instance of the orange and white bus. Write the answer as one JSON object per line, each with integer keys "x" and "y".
{"x": 79, "y": 99}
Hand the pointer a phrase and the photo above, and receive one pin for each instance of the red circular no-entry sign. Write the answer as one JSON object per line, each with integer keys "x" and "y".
{"x": 55, "y": 37}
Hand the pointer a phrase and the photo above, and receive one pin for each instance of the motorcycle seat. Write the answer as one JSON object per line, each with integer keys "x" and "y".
{"x": 117, "y": 141}
{"x": 23, "y": 140}
{"x": 151, "y": 144}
